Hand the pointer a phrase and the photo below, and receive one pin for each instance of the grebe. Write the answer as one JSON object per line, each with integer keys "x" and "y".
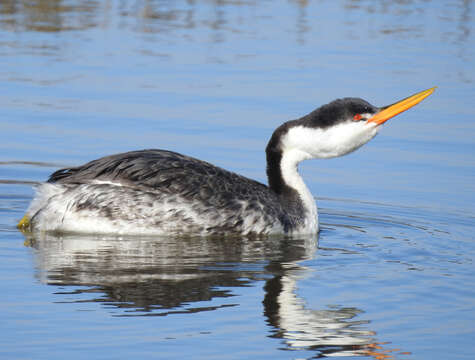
{"x": 160, "y": 192}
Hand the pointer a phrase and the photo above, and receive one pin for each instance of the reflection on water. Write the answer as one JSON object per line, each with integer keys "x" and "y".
{"x": 159, "y": 273}
{"x": 161, "y": 16}
{"x": 219, "y": 22}
{"x": 334, "y": 331}
{"x": 48, "y": 15}
{"x": 163, "y": 276}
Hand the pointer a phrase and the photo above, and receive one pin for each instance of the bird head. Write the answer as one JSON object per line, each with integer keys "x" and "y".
{"x": 339, "y": 127}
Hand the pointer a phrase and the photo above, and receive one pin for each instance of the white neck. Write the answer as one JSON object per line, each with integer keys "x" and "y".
{"x": 291, "y": 176}
{"x": 301, "y": 143}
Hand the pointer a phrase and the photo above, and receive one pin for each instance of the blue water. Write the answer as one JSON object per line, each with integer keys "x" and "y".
{"x": 391, "y": 275}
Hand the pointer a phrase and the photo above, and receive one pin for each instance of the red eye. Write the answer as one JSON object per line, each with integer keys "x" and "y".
{"x": 357, "y": 117}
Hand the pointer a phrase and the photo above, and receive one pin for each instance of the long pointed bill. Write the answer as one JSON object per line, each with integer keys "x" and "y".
{"x": 390, "y": 111}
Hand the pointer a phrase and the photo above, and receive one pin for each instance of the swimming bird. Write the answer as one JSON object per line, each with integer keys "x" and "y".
{"x": 160, "y": 192}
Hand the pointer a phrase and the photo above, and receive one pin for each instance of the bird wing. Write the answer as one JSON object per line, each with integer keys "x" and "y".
{"x": 164, "y": 171}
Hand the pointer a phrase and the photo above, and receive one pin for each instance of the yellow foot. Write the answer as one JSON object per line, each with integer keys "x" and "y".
{"x": 24, "y": 223}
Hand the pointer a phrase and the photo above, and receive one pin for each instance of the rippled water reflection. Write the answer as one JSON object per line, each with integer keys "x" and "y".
{"x": 160, "y": 277}
{"x": 392, "y": 273}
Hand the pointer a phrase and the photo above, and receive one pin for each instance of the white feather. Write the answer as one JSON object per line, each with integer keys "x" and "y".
{"x": 303, "y": 143}
{"x": 330, "y": 142}
{"x": 292, "y": 178}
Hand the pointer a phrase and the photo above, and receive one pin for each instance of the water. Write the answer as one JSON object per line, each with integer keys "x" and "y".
{"x": 391, "y": 275}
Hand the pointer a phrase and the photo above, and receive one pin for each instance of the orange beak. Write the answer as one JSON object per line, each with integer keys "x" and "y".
{"x": 390, "y": 111}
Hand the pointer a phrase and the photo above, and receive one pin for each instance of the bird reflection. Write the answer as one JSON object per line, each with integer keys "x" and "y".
{"x": 335, "y": 331}
{"x": 163, "y": 276}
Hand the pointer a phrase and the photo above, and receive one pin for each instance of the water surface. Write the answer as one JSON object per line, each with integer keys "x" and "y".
{"x": 391, "y": 273}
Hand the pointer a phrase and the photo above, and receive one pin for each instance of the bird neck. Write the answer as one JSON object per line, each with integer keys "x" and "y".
{"x": 285, "y": 180}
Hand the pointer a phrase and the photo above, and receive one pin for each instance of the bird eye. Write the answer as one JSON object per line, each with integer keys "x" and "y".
{"x": 357, "y": 117}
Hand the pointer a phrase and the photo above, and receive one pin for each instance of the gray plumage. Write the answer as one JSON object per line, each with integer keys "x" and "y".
{"x": 199, "y": 197}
